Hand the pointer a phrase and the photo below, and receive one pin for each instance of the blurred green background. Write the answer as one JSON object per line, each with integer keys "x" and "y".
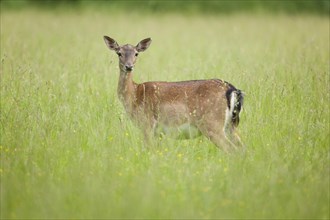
{"x": 188, "y": 6}
{"x": 69, "y": 151}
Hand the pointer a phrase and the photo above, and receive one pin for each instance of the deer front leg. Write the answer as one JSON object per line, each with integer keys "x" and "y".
{"x": 148, "y": 127}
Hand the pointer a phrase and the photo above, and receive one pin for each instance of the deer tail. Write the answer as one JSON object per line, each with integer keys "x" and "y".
{"x": 235, "y": 98}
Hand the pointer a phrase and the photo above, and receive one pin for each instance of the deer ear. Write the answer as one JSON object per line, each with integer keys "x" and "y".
{"x": 111, "y": 43}
{"x": 143, "y": 45}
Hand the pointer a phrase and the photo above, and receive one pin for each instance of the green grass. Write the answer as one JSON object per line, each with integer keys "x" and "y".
{"x": 69, "y": 151}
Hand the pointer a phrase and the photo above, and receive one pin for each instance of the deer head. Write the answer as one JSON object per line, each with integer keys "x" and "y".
{"x": 127, "y": 53}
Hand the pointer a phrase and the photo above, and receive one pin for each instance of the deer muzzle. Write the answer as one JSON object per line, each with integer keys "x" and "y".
{"x": 128, "y": 67}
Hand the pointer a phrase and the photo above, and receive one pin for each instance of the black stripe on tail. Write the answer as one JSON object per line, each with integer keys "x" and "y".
{"x": 238, "y": 104}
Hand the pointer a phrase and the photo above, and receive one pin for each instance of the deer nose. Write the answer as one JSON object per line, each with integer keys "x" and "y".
{"x": 129, "y": 67}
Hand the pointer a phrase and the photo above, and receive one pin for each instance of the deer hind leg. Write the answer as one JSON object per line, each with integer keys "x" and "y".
{"x": 215, "y": 132}
{"x": 234, "y": 138}
{"x": 221, "y": 141}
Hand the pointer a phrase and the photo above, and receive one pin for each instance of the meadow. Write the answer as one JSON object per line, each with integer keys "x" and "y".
{"x": 68, "y": 150}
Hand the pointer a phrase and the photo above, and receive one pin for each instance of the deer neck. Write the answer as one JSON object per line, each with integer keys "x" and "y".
{"x": 127, "y": 90}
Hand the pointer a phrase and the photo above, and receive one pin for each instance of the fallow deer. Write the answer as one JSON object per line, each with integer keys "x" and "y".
{"x": 209, "y": 107}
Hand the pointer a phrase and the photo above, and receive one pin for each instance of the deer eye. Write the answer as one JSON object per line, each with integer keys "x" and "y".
{"x": 119, "y": 54}
{"x": 136, "y": 54}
